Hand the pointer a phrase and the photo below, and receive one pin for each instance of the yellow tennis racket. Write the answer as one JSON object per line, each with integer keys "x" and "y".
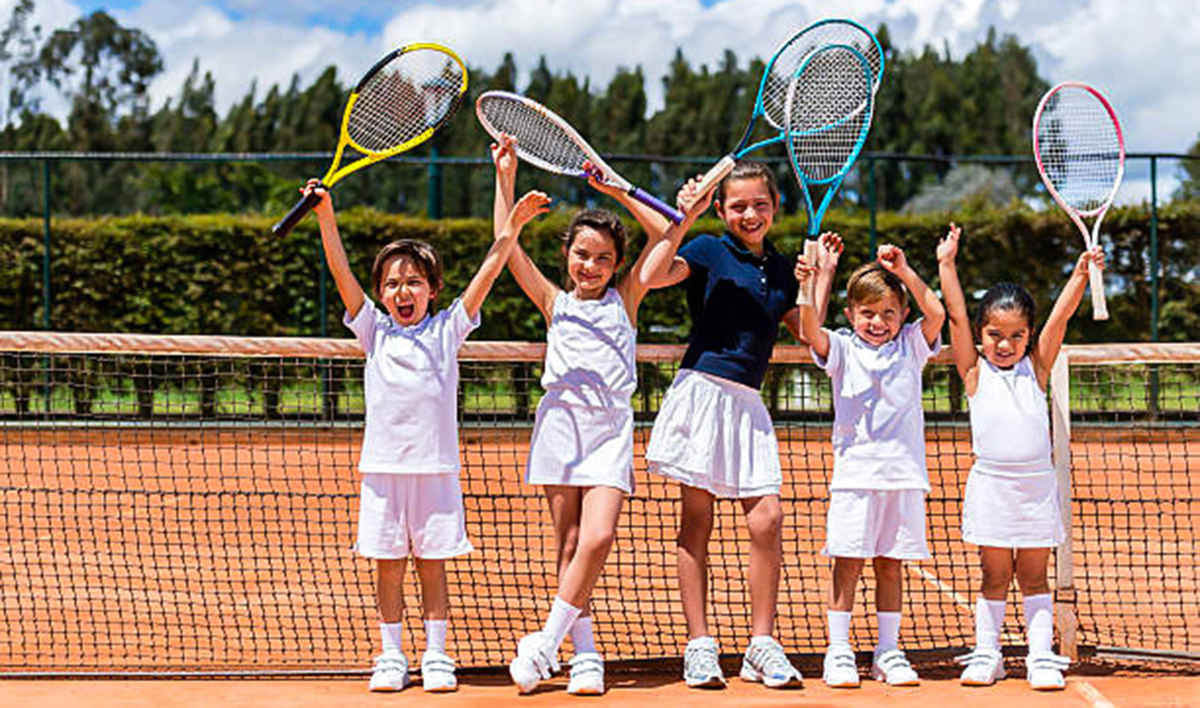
{"x": 398, "y": 104}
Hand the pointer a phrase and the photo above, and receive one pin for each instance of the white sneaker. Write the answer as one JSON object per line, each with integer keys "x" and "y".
{"x": 587, "y": 675}
{"x": 893, "y": 667}
{"x": 437, "y": 672}
{"x": 390, "y": 672}
{"x": 702, "y": 665}
{"x": 841, "y": 671}
{"x": 535, "y": 662}
{"x": 983, "y": 667}
{"x": 1044, "y": 671}
{"x": 768, "y": 663}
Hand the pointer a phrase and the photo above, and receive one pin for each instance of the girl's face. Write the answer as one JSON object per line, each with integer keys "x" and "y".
{"x": 591, "y": 262}
{"x": 748, "y": 210}
{"x": 1004, "y": 337}
{"x": 879, "y": 321}
{"x": 405, "y": 291}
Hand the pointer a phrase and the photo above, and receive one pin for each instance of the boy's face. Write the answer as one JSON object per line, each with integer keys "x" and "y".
{"x": 877, "y": 322}
{"x": 405, "y": 291}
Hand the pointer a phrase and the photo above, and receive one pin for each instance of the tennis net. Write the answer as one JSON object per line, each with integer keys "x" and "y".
{"x": 187, "y": 505}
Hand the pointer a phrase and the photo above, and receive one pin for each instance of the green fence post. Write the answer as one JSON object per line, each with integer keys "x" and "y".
{"x": 872, "y": 196}
{"x": 46, "y": 244}
{"x": 434, "y": 204}
{"x": 1154, "y": 267}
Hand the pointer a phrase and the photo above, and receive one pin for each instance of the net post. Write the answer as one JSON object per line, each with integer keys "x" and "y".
{"x": 1065, "y": 618}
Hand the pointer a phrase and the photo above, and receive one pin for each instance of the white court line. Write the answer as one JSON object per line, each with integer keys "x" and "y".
{"x": 964, "y": 603}
{"x": 1093, "y": 696}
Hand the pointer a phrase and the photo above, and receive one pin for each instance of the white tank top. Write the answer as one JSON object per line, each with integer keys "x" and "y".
{"x": 590, "y": 348}
{"x": 1010, "y": 422}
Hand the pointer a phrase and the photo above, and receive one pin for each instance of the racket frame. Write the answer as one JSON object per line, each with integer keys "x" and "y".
{"x": 369, "y": 157}
{"x": 723, "y": 167}
{"x": 1091, "y": 238}
{"x": 602, "y": 168}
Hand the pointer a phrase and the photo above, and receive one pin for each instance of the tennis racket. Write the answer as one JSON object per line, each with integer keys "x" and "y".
{"x": 771, "y": 102}
{"x": 1080, "y": 154}
{"x": 828, "y": 104}
{"x": 547, "y": 141}
{"x": 398, "y": 104}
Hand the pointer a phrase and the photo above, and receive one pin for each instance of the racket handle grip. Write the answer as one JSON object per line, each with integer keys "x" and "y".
{"x": 298, "y": 212}
{"x": 657, "y": 204}
{"x": 1099, "y": 302}
{"x": 715, "y": 174}
{"x": 808, "y": 289}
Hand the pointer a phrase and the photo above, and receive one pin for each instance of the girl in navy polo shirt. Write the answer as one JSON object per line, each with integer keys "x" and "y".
{"x": 713, "y": 434}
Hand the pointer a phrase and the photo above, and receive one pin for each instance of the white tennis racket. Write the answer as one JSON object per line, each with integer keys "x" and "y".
{"x": 1080, "y": 154}
{"x": 547, "y": 141}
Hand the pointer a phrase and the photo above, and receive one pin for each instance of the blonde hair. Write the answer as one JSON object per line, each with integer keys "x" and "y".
{"x": 872, "y": 282}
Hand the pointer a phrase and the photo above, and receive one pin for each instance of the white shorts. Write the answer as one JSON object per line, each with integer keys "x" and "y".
{"x": 581, "y": 446}
{"x": 864, "y": 523}
{"x": 716, "y": 435}
{"x": 411, "y": 514}
{"x": 1012, "y": 512}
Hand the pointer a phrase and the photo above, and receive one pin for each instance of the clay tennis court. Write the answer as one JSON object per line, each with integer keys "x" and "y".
{"x": 225, "y": 549}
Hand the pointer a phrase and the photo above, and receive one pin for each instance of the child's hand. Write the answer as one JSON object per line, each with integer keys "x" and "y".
{"x": 892, "y": 258}
{"x": 804, "y": 270}
{"x": 504, "y": 156}
{"x": 528, "y": 207}
{"x": 689, "y": 200}
{"x": 596, "y": 179}
{"x": 323, "y": 207}
{"x": 947, "y": 248}
{"x": 829, "y": 252}
{"x": 1093, "y": 255}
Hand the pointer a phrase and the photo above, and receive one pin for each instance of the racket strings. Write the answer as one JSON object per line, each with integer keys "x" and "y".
{"x": 790, "y": 57}
{"x": 540, "y": 140}
{"x": 829, "y": 112}
{"x": 416, "y": 91}
{"x": 1079, "y": 148}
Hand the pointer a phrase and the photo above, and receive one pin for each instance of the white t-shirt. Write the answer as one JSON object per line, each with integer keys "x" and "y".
{"x": 590, "y": 351}
{"x": 1010, "y": 423}
{"x": 411, "y": 382}
{"x": 878, "y": 421}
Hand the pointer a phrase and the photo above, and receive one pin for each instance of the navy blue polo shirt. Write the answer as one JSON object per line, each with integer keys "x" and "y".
{"x": 736, "y": 300}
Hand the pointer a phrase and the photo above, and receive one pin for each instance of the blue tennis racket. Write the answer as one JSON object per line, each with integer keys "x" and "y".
{"x": 773, "y": 89}
{"x": 828, "y": 104}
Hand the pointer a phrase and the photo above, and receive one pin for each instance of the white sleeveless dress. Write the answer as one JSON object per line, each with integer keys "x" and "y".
{"x": 1011, "y": 499}
{"x": 583, "y": 434}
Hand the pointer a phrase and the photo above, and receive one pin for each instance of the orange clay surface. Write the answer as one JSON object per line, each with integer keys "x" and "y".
{"x": 1083, "y": 692}
{"x": 231, "y": 548}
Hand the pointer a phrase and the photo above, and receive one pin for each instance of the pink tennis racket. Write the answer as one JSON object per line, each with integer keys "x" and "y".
{"x": 1080, "y": 153}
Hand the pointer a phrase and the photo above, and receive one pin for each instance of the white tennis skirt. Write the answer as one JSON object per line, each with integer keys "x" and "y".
{"x": 579, "y": 446}
{"x": 715, "y": 434}
{"x": 1012, "y": 512}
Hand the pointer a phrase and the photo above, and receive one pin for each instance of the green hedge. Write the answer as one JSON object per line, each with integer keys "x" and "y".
{"x": 224, "y": 274}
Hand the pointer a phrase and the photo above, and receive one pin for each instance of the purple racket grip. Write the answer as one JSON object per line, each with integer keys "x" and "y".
{"x": 657, "y": 205}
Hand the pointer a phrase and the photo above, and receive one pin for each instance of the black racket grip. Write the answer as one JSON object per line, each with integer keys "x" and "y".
{"x": 298, "y": 212}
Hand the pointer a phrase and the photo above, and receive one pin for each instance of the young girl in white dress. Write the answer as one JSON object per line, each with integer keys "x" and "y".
{"x": 581, "y": 451}
{"x": 1011, "y": 508}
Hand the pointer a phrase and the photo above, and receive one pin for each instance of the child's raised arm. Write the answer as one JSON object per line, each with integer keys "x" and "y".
{"x": 654, "y": 223}
{"x": 962, "y": 340}
{"x": 894, "y": 261}
{"x": 530, "y": 206}
{"x": 352, "y": 293}
{"x": 829, "y": 251}
{"x": 1050, "y": 339}
{"x": 536, "y": 286}
{"x": 658, "y": 257}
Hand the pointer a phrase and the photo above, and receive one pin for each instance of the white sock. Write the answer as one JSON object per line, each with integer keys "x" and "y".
{"x": 562, "y": 616}
{"x": 393, "y": 635}
{"x": 989, "y": 622}
{"x": 839, "y": 628}
{"x": 1039, "y": 623}
{"x": 889, "y": 631}
{"x": 435, "y": 635}
{"x": 581, "y": 636}
{"x": 761, "y": 639}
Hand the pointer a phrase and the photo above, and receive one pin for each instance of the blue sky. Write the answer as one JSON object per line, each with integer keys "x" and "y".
{"x": 1139, "y": 53}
